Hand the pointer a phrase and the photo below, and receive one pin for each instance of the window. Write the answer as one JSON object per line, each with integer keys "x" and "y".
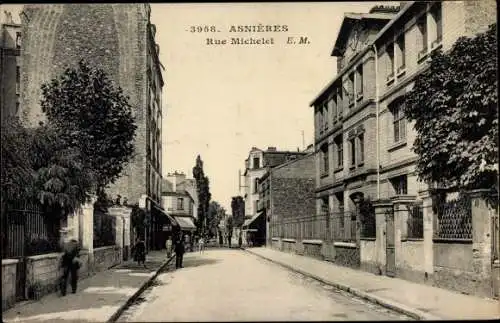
{"x": 390, "y": 62}
{"x": 339, "y": 145}
{"x": 325, "y": 160}
{"x": 256, "y": 162}
{"x": 268, "y": 203}
{"x": 340, "y": 103}
{"x": 255, "y": 206}
{"x": 400, "y": 185}
{"x": 422, "y": 36}
{"x": 340, "y": 201}
{"x": 325, "y": 205}
{"x": 17, "y": 107}
{"x": 352, "y": 145}
{"x": 319, "y": 113}
{"x": 332, "y": 106}
{"x": 350, "y": 88}
{"x": 436, "y": 24}
{"x": 18, "y": 40}
{"x": 359, "y": 82}
{"x": 180, "y": 203}
{"x": 256, "y": 185}
{"x": 361, "y": 148}
{"x": 399, "y": 123}
{"x": 400, "y": 52}
{"x": 325, "y": 115}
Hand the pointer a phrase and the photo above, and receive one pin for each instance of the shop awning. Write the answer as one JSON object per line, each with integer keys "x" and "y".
{"x": 248, "y": 222}
{"x": 185, "y": 223}
{"x": 170, "y": 218}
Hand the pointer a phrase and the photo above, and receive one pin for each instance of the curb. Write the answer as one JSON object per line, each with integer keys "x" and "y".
{"x": 141, "y": 289}
{"x": 392, "y": 305}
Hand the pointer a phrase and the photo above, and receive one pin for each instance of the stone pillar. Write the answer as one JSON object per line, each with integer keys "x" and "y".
{"x": 74, "y": 225}
{"x": 117, "y": 213}
{"x": 126, "y": 213}
{"x": 401, "y": 213}
{"x": 381, "y": 208}
{"x": 428, "y": 232}
{"x": 86, "y": 229}
{"x": 482, "y": 214}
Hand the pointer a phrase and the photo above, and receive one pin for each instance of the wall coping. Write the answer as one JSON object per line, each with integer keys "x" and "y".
{"x": 275, "y": 239}
{"x": 345, "y": 244}
{"x": 46, "y": 256}
{"x": 404, "y": 198}
{"x": 104, "y": 248}
{"x": 290, "y": 240}
{"x": 312, "y": 241}
{"x": 6, "y": 262}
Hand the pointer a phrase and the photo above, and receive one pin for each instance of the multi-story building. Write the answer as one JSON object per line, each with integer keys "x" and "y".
{"x": 10, "y": 66}
{"x": 178, "y": 201}
{"x": 286, "y": 197}
{"x": 256, "y": 165}
{"x": 120, "y": 39}
{"x": 364, "y": 142}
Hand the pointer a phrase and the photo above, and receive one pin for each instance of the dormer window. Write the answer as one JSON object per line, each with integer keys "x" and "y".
{"x": 18, "y": 40}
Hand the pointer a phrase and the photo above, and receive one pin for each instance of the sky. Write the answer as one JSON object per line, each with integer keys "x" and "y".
{"x": 219, "y": 101}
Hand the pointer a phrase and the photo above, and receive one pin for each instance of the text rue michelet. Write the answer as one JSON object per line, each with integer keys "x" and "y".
{"x": 256, "y": 41}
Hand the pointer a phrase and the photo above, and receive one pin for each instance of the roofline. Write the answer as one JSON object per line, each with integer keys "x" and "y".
{"x": 293, "y": 161}
{"x": 364, "y": 51}
{"x": 351, "y": 16}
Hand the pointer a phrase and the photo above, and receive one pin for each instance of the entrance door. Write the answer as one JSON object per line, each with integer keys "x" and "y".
{"x": 390, "y": 267}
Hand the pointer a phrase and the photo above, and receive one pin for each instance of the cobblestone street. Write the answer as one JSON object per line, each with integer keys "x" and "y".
{"x": 230, "y": 285}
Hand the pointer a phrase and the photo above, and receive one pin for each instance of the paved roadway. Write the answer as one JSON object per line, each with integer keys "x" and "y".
{"x": 232, "y": 285}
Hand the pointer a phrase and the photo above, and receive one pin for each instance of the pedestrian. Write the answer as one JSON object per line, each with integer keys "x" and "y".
{"x": 201, "y": 244}
{"x": 179, "y": 253}
{"x": 240, "y": 240}
{"x": 140, "y": 252}
{"x": 168, "y": 246}
{"x": 70, "y": 262}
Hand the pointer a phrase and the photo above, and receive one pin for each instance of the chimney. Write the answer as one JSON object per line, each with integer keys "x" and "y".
{"x": 271, "y": 148}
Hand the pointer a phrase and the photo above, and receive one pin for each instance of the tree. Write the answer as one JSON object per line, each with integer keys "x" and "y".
{"x": 238, "y": 210}
{"x": 17, "y": 176}
{"x": 203, "y": 191}
{"x": 454, "y": 106}
{"x": 215, "y": 213}
{"x": 91, "y": 113}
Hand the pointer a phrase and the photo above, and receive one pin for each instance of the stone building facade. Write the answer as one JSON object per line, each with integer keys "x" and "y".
{"x": 10, "y": 66}
{"x": 119, "y": 38}
{"x": 363, "y": 143}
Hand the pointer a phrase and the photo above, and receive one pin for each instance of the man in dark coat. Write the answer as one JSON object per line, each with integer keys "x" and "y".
{"x": 70, "y": 263}
{"x": 179, "y": 253}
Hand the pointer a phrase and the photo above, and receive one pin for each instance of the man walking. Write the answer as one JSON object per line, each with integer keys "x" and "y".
{"x": 179, "y": 253}
{"x": 70, "y": 263}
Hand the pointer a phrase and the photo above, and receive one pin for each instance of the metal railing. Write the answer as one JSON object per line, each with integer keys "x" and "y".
{"x": 415, "y": 221}
{"x": 343, "y": 227}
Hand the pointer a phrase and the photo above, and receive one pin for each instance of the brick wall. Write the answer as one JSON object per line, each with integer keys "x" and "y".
{"x": 292, "y": 188}
{"x": 112, "y": 37}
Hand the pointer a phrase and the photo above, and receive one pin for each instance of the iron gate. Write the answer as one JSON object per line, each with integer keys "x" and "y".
{"x": 390, "y": 267}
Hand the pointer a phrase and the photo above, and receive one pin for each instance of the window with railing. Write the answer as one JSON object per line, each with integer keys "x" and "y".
{"x": 415, "y": 221}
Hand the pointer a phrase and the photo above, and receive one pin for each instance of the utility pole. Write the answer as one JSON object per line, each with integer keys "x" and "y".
{"x": 303, "y": 141}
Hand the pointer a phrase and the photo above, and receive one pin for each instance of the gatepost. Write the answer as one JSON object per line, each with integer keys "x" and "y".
{"x": 401, "y": 214}
{"x": 381, "y": 208}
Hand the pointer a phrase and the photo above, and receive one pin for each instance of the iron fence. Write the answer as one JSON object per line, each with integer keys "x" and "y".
{"x": 454, "y": 219}
{"x": 27, "y": 230}
{"x": 343, "y": 226}
{"x": 415, "y": 221}
{"x": 104, "y": 229}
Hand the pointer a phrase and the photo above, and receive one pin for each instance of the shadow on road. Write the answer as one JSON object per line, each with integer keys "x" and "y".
{"x": 196, "y": 262}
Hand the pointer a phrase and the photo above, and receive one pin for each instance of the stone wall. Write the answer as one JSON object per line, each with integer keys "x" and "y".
{"x": 312, "y": 248}
{"x": 348, "y": 256}
{"x": 8, "y": 283}
{"x": 289, "y": 245}
{"x": 106, "y": 257}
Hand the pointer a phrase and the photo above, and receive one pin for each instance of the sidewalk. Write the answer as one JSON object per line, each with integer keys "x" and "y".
{"x": 98, "y": 297}
{"x": 417, "y": 300}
